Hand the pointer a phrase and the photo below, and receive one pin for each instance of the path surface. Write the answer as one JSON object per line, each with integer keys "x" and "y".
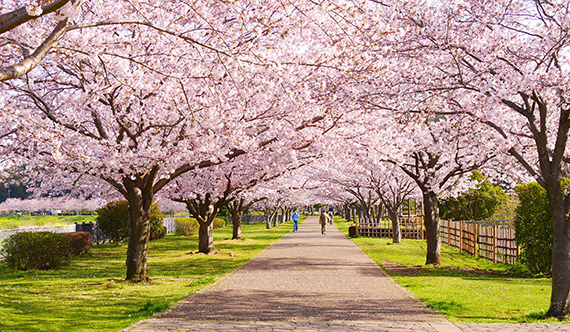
{"x": 311, "y": 282}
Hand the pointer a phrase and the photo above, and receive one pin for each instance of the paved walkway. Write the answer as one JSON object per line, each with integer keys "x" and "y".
{"x": 311, "y": 282}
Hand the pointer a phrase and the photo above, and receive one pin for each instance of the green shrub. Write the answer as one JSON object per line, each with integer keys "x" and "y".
{"x": 157, "y": 230}
{"x": 36, "y": 250}
{"x": 113, "y": 220}
{"x": 533, "y": 227}
{"x": 219, "y": 223}
{"x": 186, "y": 226}
{"x": 479, "y": 203}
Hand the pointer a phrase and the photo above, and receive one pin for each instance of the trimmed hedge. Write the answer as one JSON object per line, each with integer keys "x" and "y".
{"x": 186, "y": 226}
{"x": 36, "y": 250}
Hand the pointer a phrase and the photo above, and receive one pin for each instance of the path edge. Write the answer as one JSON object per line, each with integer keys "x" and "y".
{"x": 408, "y": 293}
{"x": 186, "y": 299}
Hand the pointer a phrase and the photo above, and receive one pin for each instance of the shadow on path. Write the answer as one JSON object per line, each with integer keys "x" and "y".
{"x": 305, "y": 276}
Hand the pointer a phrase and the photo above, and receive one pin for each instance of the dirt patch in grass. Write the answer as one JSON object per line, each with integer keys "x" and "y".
{"x": 401, "y": 269}
{"x": 472, "y": 270}
{"x": 214, "y": 252}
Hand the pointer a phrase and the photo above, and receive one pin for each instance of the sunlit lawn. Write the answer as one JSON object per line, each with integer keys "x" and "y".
{"x": 482, "y": 292}
{"x": 89, "y": 294}
{"x": 10, "y": 222}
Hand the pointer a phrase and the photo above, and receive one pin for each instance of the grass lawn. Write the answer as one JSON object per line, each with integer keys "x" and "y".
{"x": 464, "y": 288}
{"x": 89, "y": 294}
{"x": 10, "y": 222}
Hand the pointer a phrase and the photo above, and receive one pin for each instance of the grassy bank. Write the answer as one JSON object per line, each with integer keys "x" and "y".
{"x": 10, "y": 222}
{"x": 464, "y": 288}
{"x": 89, "y": 294}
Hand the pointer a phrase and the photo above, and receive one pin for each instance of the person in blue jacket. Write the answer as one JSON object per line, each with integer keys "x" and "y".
{"x": 295, "y": 218}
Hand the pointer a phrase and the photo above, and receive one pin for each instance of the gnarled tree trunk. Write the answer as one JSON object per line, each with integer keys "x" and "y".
{"x": 206, "y": 237}
{"x": 205, "y": 209}
{"x": 275, "y": 218}
{"x": 139, "y": 234}
{"x": 396, "y": 231}
{"x": 236, "y": 224}
{"x": 431, "y": 221}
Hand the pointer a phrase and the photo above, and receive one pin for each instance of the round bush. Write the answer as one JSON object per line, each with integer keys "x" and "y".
{"x": 36, "y": 250}
{"x": 219, "y": 223}
{"x": 113, "y": 220}
{"x": 186, "y": 226}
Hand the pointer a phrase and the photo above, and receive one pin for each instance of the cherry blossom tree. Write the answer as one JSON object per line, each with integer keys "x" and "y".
{"x": 48, "y": 204}
{"x": 204, "y": 194}
{"x": 392, "y": 186}
{"x": 505, "y": 64}
{"x": 237, "y": 207}
{"x": 24, "y": 24}
{"x": 144, "y": 105}
{"x": 171, "y": 207}
{"x": 436, "y": 155}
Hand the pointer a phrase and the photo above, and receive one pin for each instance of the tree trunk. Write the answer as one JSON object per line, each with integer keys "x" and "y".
{"x": 236, "y": 223}
{"x": 206, "y": 237}
{"x": 139, "y": 234}
{"x": 560, "y": 296}
{"x": 396, "y": 232}
{"x": 379, "y": 214}
{"x": 267, "y": 221}
{"x": 275, "y": 218}
{"x": 431, "y": 221}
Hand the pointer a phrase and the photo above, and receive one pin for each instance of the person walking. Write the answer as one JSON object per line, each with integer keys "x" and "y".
{"x": 295, "y": 218}
{"x": 324, "y": 219}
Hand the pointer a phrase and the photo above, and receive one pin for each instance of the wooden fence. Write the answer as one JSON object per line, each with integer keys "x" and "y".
{"x": 411, "y": 228}
{"x": 492, "y": 241}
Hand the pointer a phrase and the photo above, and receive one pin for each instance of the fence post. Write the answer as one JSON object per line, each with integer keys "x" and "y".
{"x": 477, "y": 240}
{"x": 448, "y": 232}
{"x": 461, "y": 235}
{"x": 495, "y": 228}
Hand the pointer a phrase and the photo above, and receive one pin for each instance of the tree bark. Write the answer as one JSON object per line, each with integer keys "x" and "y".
{"x": 560, "y": 296}
{"x": 236, "y": 224}
{"x": 206, "y": 237}
{"x": 267, "y": 221}
{"x": 275, "y": 218}
{"x": 205, "y": 209}
{"x": 139, "y": 234}
{"x": 396, "y": 232}
{"x": 431, "y": 221}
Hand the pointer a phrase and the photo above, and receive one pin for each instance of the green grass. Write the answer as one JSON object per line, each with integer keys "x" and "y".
{"x": 10, "y": 222}
{"x": 464, "y": 288}
{"x": 89, "y": 294}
